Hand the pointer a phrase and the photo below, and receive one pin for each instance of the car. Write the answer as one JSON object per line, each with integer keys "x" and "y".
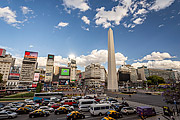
{"x": 39, "y": 113}
{"x": 55, "y": 106}
{"x": 9, "y": 108}
{"x": 61, "y": 110}
{"x": 118, "y": 107}
{"x": 46, "y": 108}
{"x": 30, "y": 106}
{"x": 128, "y": 110}
{"x": 45, "y": 102}
{"x": 71, "y": 108}
{"x": 7, "y": 114}
{"x": 114, "y": 114}
{"x": 28, "y": 100}
{"x": 108, "y": 118}
{"x": 145, "y": 111}
{"x": 24, "y": 110}
{"x": 36, "y": 105}
{"x": 75, "y": 115}
{"x": 84, "y": 108}
{"x": 50, "y": 104}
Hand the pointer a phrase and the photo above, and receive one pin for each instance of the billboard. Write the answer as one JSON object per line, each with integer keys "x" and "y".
{"x": 29, "y": 54}
{"x": 34, "y": 84}
{"x": 2, "y": 52}
{"x": 36, "y": 76}
{"x": 50, "y": 56}
{"x": 13, "y": 76}
{"x": 65, "y": 72}
{"x": 64, "y": 82}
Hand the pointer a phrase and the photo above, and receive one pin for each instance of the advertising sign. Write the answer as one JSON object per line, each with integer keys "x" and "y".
{"x": 63, "y": 82}
{"x": 64, "y": 72}
{"x": 2, "y": 52}
{"x": 13, "y": 76}
{"x": 48, "y": 74}
{"x": 34, "y": 84}
{"x": 50, "y": 56}
{"x": 29, "y": 54}
{"x": 36, "y": 76}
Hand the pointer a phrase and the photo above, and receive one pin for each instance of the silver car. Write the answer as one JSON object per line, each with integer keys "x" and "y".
{"x": 7, "y": 114}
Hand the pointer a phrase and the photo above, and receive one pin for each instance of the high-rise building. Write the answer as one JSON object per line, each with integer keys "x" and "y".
{"x": 29, "y": 65}
{"x": 49, "y": 69}
{"x": 6, "y": 62}
{"x": 73, "y": 67}
{"x": 112, "y": 84}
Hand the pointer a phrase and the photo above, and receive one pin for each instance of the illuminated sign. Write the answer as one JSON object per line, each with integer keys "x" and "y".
{"x": 65, "y": 72}
{"x": 29, "y": 54}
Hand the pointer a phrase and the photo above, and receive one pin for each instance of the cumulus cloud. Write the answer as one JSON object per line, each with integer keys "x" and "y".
{"x": 62, "y": 24}
{"x": 135, "y": 10}
{"x": 162, "y": 25}
{"x": 26, "y": 10}
{"x": 9, "y": 16}
{"x": 31, "y": 46}
{"x": 84, "y": 28}
{"x": 96, "y": 56}
{"x": 157, "y": 56}
{"x": 86, "y": 20}
{"x": 82, "y": 5}
{"x": 161, "y": 4}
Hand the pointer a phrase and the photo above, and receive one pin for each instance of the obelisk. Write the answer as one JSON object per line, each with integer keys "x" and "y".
{"x": 112, "y": 84}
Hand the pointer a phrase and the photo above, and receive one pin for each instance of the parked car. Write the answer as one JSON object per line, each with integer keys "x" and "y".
{"x": 39, "y": 113}
{"x": 114, "y": 114}
{"x": 75, "y": 115}
{"x": 128, "y": 110}
{"x": 7, "y": 114}
{"x": 61, "y": 110}
{"x": 50, "y": 104}
{"x": 24, "y": 110}
{"x": 145, "y": 111}
{"x": 28, "y": 100}
{"x": 108, "y": 118}
{"x": 71, "y": 108}
{"x": 55, "y": 106}
{"x": 46, "y": 108}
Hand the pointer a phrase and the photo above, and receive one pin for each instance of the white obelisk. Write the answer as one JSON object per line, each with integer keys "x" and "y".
{"x": 112, "y": 84}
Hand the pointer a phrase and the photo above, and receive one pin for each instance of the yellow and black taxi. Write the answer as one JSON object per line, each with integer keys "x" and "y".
{"x": 61, "y": 110}
{"x": 75, "y": 115}
{"x": 30, "y": 106}
{"x": 24, "y": 110}
{"x": 108, "y": 118}
{"x": 114, "y": 114}
{"x": 39, "y": 113}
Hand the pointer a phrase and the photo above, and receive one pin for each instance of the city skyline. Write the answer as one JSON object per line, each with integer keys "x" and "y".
{"x": 146, "y": 33}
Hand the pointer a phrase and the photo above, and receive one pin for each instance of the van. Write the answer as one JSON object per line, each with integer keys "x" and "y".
{"x": 145, "y": 111}
{"x": 87, "y": 102}
{"x": 100, "y": 109}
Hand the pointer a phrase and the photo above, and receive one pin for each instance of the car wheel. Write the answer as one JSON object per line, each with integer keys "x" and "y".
{"x": 32, "y": 116}
{"x": 10, "y": 117}
{"x": 83, "y": 117}
{"x": 100, "y": 114}
{"x": 57, "y": 113}
{"x": 127, "y": 113}
{"x": 45, "y": 115}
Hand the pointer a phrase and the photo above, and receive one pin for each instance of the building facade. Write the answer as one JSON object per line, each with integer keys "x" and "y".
{"x": 49, "y": 69}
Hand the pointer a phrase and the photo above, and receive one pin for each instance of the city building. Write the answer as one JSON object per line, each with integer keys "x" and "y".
{"x": 49, "y": 69}
{"x": 6, "y": 62}
{"x": 64, "y": 76}
{"x": 29, "y": 65}
{"x": 95, "y": 75}
{"x": 73, "y": 67}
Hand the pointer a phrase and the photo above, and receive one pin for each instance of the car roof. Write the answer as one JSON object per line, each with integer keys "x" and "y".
{"x": 74, "y": 112}
{"x": 112, "y": 111}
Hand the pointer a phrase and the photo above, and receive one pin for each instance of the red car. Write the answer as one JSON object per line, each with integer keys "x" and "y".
{"x": 98, "y": 100}
{"x": 55, "y": 106}
{"x": 70, "y": 102}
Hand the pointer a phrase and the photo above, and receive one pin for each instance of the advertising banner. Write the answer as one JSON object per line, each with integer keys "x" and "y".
{"x": 65, "y": 72}
{"x": 50, "y": 56}
{"x": 34, "y": 84}
{"x": 29, "y": 54}
{"x": 36, "y": 76}
{"x": 63, "y": 82}
{"x": 2, "y": 52}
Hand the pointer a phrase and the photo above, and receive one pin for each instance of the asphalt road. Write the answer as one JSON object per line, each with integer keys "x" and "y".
{"x": 63, "y": 117}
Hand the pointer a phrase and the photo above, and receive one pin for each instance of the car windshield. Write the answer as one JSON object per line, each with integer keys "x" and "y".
{"x": 69, "y": 114}
{"x": 9, "y": 112}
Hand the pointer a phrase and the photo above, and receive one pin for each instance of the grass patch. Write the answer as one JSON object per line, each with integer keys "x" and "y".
{"x": 13, "y": 99}
{"x": 21, "y": 95}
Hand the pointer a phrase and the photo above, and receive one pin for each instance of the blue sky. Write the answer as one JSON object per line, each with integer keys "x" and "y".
{"x": 146, "y": 32}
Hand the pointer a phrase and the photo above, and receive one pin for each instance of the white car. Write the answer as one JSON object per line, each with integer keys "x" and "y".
{"x": 33, "y": 104}
{"x": 11, "y": 108}
{"x": 28, "y": 101}
{"x": 128, "y": 110}
{"x": 68, "y": 107}
{"x": 45, "y": 108}
{"x": 7, "y": 114}
{"x": 50, "y": 104}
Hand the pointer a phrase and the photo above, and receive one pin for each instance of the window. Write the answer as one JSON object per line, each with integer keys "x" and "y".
{"x": 103, "y": 107}
{"x": 96, "y": 108}
{"x": 107, "y": 107}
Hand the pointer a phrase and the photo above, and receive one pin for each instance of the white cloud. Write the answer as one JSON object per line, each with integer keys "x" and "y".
{"x": 9, "y": 16}
{"x": 31, "y": 46}
{"x": 162, "y": 25}
{"x": 139, "y": 20}
{"x": 163, "y": 64}
{"x": 84, "y": 28}
{"x": 157, "y": 56}
{"x": 96, "y": 56}
{"x": 26, "y": 10}
{"x": 82, "y": 5}
{"x": 62, "y": 24}
{"x": 161, "y": 4}
{"x": 86, "y": 20}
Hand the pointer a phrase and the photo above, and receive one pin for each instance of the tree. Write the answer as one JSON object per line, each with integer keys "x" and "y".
{"x": 155, "y": 80}
{"x": 38, "y": 88}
